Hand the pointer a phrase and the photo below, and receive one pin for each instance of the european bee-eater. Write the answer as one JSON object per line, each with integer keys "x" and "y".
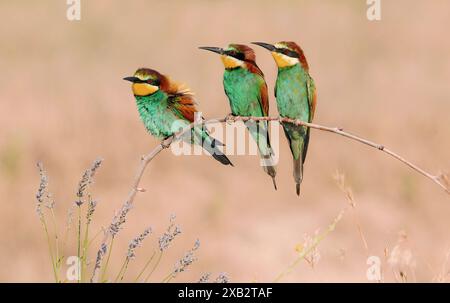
{"x": 246, "y": 90}
{"x": 296, "y": 99}
{"x": 164, "y": 106}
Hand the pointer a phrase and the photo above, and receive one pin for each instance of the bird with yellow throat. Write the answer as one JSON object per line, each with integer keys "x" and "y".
{"x": 296, "y": 96}
{"x": 165, "y": 106}
{"x": 246, "y": 90}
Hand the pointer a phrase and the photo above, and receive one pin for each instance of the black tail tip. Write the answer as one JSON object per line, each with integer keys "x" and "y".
{"x": 222, "y": 159}
{"x": 274, "y": 183}
{"x": 297, "y": 189}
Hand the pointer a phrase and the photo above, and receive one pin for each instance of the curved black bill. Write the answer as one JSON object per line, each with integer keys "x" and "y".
{"x": 217, "y": 50}
{"x": 131, "y": 79}
{"x": 266, "y": 46}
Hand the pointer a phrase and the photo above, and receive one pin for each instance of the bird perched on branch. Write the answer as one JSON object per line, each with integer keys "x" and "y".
{"x": 246, "y": 90}
{"x": 165, "y": 106}
{"x": 296, "y": 98}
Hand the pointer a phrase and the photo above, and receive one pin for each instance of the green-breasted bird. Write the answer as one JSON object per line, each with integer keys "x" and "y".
{"x": 164, "y": 106}
{"x": 246, "y": 90}
{"x": 296, "y": 98}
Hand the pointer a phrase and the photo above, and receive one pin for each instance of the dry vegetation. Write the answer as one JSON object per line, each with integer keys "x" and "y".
{"x": 63, "y": 102}
{"x": 85, "y": 268}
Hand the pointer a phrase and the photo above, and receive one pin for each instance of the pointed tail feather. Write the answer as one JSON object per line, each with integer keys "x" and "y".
{"x": 270, "y": 170}
{"x": 260, "y": 134}
{"x": 298, "y": 174}
{"x": 210, "y": 144}
{"x": 222, "y": 159}
{"x": 298, "y": 137}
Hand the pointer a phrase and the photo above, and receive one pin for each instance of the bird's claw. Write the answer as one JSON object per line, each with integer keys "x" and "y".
{"x": 230, "y": 118}
{"x": 165, "y": 144}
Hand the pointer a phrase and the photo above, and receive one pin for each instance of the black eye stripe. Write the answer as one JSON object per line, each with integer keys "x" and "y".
{"x": 240, "y": 56}
{"x": 237, "y": 55}
{"x": 153, "y": 82}
{"x": 289, "y": 53}
{"x": 149, "y": 81}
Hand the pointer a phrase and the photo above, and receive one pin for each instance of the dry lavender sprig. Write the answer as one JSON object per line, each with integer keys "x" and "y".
{"x": 184, "y": 262}
{"x": 164, "y": 241}
{"x": 119, "y": 219}
{"x": 92, "y": 204}
{"x": 43, "y": 196}
{"x": 131, "y": 254}
{"x": 171, "y": 232}
{"x": 86, "y": 180}
{"x": 136, "y": 242}
{"x": 98, "y": 262}
{"x": 90, "y": 211}
{"x": 115, "y": 226}
{"x": 204, "y": 278}
{"x": 222, "y": 278}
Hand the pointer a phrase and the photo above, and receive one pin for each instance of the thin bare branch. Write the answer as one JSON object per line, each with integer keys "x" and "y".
{"x": 441, "y": 179}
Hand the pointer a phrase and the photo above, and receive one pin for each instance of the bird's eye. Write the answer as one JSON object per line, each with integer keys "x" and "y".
{"x": 154, "y": 82}
{"x": 240, "y": 56}
{"x": 237, "y": 55}
{"x": 290, "y": 53}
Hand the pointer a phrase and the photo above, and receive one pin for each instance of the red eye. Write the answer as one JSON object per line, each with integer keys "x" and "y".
{"x": 153, "y": 82}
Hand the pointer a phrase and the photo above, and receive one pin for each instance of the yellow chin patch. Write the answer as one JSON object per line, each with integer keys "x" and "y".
{"x": 143, "y": 89}
{"x": 283, "y": 60}
{"x": 230, "y": 62}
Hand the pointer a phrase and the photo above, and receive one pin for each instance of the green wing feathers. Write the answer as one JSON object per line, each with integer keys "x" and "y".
{"x": 259, "y": 132}
{"x": 183, "y": 105}
{"x": 296, "y": 98}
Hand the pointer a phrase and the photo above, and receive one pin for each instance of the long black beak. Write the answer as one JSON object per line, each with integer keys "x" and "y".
{"x": 217, "y": 50}
{"x": 132, "y": 79}
{"x": 266, "y": 46}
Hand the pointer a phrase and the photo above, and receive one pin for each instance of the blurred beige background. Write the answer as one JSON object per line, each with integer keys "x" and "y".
{"x": 63, "y": 101}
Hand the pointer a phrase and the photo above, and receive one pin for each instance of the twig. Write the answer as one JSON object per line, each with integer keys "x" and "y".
{"x": 440, "y": 180}
{"x": 135, "y": 187}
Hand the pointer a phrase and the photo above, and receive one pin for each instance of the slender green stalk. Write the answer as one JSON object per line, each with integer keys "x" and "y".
{"x": 55, "y": 273}
{"x": 79, "y": 243}
{"x": 154, "y": 266}
{"x": 168, "y": 278}
{"x": 122, "y": 270}
{"x": 105, "y": 267}
{"x": 94, "y": 237}
{"x": 145, "y": 267}
{"x": 57, "y": 257}
{"x": 66, "y": 232}
{"x": 85, "y": 248}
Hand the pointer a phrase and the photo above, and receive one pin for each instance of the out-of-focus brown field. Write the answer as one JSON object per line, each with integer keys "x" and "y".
{"x": 63, "y": 102}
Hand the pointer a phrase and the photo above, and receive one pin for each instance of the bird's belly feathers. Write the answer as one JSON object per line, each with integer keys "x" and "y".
{"x": 242, "y": 90}
{"x": 157, "y": 119}
{"x": 292, "y": 97}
